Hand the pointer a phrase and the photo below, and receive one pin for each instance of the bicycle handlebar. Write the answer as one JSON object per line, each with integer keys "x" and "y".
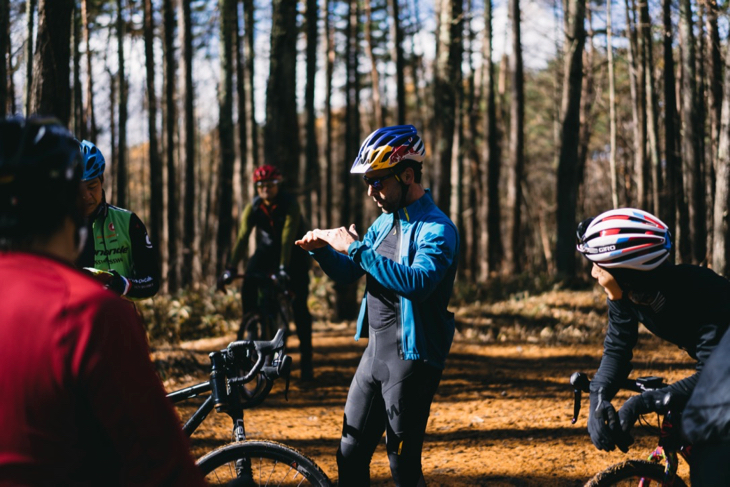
{"x": 580, "y": 383}
{"x": 263, "y": 349}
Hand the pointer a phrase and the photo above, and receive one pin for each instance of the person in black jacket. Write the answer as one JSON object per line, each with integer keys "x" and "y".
{"x": 686, "y": 305}
{"x": 278, "y": 220}
{"x": 706, "y": 420}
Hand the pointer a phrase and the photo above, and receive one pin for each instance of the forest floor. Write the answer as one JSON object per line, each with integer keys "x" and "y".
{"x": 502, "y": 412}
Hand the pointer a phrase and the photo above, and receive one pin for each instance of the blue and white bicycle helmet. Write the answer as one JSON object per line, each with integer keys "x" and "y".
{"x": 388, "y": 146}
{"x": 94, "y": 163}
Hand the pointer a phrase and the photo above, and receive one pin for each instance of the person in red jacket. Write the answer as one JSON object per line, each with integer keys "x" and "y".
{"x": 81, "y": 403}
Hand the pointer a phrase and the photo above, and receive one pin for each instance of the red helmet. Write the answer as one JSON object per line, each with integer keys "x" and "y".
{"x": 266, "y": 173}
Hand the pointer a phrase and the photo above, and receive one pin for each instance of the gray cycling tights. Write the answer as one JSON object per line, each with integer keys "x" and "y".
{"x": 392, "y": 395}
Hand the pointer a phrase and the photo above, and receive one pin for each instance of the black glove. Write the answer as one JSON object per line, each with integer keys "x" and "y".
{"x": 635, "y": 406}
{"x": 603, "y": 422}
{"x": 282, "y": 277}
{"x": 118, "y": 283}
{"x": 224, "y": 279}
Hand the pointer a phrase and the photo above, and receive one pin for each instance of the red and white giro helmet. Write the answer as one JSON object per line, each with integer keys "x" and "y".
{"x": 625, "y": 238}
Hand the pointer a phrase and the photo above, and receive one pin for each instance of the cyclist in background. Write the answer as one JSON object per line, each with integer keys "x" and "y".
{"x": 686, "y": 305}
{"x": 81, "y": 402}
{"x": 118, "y": 251}
{"x": 278, "y": 220}
{"x": 409, "y": 257}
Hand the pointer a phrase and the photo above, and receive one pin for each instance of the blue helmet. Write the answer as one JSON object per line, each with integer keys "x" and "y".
{"x": 94, "y": 163}
{"x": 388, "y": 146}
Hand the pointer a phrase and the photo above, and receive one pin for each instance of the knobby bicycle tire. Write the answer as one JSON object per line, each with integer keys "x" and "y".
{"x": 261, "y": 462}
{"x": 630, "y": 472}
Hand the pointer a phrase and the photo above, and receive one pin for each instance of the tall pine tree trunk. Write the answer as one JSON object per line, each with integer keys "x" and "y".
{"x": 30, "y": 8}
{"x": 611, "y": 106}
{"x": 491, "y": 241}
{"x": 156, "y": 177}
{"x": 668, "y": 211}
{"x": 714, "y": 64}
{"x": 721, "y": 210}
{"x": 77, "y": 108}
{"x": 188, "y": 135}
{"x": 90, "y": 116}
{"x": 329, "y": 199}
{"x": 447, "y": 78}
{"x": 691, "y": 154}
{"x": 121, "y": 182}
{"x": 311, "y": 172}
{"x": 567, "y": 192}
{"x": 396, "y": 34}
{"x": 248, "y": 15}
{"x": 246, "y": 188}
{"x": 516, "y": 139}
{"x": 51, "y": 63}
{"x": 281, "y": 133}
{"x": 225, "y": 133}
{"x": 638, "y": 105}
{"x": 4, "y": 51}
{"x": 652, "y": 117}
{"x": 169, "y": 125}
{"x": 374, "y": 77}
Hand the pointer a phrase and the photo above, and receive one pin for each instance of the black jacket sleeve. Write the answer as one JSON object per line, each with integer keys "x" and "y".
{"x": 621, "y": 337}
{"x": 145, "y": 281}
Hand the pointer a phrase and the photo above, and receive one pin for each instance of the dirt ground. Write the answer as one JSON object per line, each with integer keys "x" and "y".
{"x": 501, "y": 416}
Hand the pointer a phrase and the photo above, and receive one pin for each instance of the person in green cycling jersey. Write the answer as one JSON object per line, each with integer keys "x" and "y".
{"x": 278, "y": 220}
{"x": 118, "y": 250}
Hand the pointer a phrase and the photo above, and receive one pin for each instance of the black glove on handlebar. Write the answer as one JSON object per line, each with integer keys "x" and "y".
{"x": 635, "y": 406}
{"x": 224, "y": 279}
{"x": 603, "y": 422}
{"x": 283, "y": 277}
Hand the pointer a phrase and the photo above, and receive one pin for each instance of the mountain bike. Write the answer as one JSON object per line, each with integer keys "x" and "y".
{"x": 660, "y": 468}
{"x": 274, "y": 308}
{"x": 247, "y": 462}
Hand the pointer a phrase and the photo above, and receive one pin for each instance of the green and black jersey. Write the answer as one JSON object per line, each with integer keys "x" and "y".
{"x": 118, "y": 240}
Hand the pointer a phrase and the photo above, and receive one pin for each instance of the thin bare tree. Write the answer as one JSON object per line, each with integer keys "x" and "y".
{"x": 169, "y": 127}
{"x": 30, "y": 8}
{"x": 691, "y": 153}
{"x": 90, "y": 115}
{"x": 121, "y": 179}
{"x": 52, "y": 60}
{"x": 567, "y": 191}
{"x": 517, "y": 137}
{"x": 188, "y": 135}
{"x": 225, "y": 134}
{"x": 4, "y": 54}
{"x": 156, "y": 176}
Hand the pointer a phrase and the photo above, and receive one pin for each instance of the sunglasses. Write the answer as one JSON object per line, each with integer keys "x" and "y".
{"x": 377, "y": 183}
{"x": 267, "y": 184}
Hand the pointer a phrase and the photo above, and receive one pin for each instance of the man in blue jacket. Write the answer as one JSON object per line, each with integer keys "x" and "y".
{"x": 409, "y": 257}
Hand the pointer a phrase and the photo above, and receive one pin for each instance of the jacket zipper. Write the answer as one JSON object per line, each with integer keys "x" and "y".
{"x": 398, "y": 306}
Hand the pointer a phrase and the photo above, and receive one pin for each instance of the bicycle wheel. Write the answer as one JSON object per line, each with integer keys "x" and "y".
{"x": 253, "y": 463}
{"x": 633, "y": 473}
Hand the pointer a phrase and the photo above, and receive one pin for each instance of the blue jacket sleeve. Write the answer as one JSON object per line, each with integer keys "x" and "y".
{"x": 436, "y": 250}
{"x": 341, "y": 268}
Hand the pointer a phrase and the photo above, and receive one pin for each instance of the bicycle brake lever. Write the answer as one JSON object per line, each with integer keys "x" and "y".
{"x": 285, "y": 371}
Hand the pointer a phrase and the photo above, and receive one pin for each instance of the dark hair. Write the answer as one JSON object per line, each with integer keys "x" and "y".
{"x": 40, "y": 171}
{"x": 415, "y": 165}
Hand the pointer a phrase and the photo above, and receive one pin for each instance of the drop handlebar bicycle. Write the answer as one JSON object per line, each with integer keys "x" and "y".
{"x": 660, "y": 468}
{"x": 247, "y": 462}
